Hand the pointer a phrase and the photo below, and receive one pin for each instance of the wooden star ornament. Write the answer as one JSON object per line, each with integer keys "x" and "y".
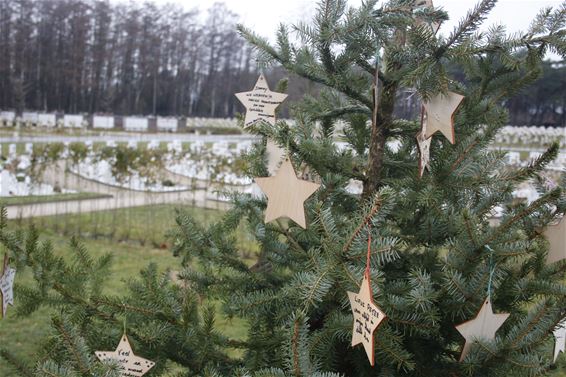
{"x": 483, "y": 326}
{"x": 440, "y": 114}
{"x": 7, "y": 286}
{"x": 260, "y": 103}
{"x": 367, "y": 317}
{"x": 286, "y": 194}
{"x": 130, "y": 364}
{"x": 556, "y": 236}
{"x": 424, "y": 147}
{"x": 559, "y": 339}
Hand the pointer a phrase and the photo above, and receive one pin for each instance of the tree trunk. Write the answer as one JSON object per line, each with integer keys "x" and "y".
{"x": 381, "y": 121}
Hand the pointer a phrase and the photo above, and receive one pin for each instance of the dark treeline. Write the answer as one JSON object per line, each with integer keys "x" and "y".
{"x": 88, "y": 56}
{"x": 123, "y": 58}
{"x": 541, "y": 104}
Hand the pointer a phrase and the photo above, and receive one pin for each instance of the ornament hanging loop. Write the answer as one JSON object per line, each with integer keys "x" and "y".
{"x": 368, "y": 257}
{"x": 491, "y": 270}
{"x": 125, "y": 318}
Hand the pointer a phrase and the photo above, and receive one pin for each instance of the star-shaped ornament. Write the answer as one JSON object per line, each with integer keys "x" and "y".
{"x": 130, "y": 364}
{"x": 556, "y": 236}
{"x": 260, "y": 103}
{"x": 559, "y": 339}
{"x": 286, "y": 194}
{"x": 424, "y": 148}
{"x": 440, "y": 114}
{"x": 367, "y": 317}
{"x": 7, "y": 286}
{"x": 483, "y": 326}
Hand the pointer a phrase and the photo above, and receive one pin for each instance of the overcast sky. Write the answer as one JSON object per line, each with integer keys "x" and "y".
{"x": 263, "y": 16}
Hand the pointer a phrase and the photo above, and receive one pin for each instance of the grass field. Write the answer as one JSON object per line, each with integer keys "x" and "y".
{"x": 23, "y": 335}
{"x": 146, "y": 225}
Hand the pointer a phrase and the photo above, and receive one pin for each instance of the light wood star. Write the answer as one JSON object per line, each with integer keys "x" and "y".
{"x": 559, "y": 339}
{"x": 260, "y": 103}
{"x": 424, "y": 148}
{"x": 483, "y": 326}
{"x": 130, "y": 364}
{"x": 286, "y": 194}
{"x": 7, "y": 287}
{"x": 367, "y": 317}
{"x": 556, "y": 236}
{"x": 440, "y": 114}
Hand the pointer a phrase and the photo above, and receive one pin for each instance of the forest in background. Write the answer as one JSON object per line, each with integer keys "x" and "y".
{"x": 89, "y": 56}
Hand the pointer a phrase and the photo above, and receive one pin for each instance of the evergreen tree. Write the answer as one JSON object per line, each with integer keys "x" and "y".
{"x": 433, "y": 246}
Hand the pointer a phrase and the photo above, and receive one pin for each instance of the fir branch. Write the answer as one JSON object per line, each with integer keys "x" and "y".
{"x": 285, "y": 232}
{"x": 71, "y": 345}
{"x": 158, "y": 314}
{"x": 470, "y": 231}
{"x": 16, "y": 363}
{"x": 537, "y": 165}
{"x": 533, "y": 322}
{"x": 350, "y": 276}
{"x": 341, "y": 111}
{"x": 467, "y": 25}
{"x": 464, "y": 154}
{"x": 367, "y": 219}
{"x": 551, "y": 196}
{"x": 295, "y": 347}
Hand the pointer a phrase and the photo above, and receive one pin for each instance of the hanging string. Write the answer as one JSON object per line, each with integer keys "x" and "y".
{"x": 492, "y": 270}
{"x": 375, "y": 89}
{"x": 125, "y": 318}
{"x": 368, "y": 258}
{"x": 259, "y": 65}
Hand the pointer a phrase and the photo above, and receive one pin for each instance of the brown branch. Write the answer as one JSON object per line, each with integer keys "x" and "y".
{"x": 532, "y": 324}
{"x": 470, "y": 232}
{"x": 367, "y": 219}
{"x": 70, "y": 346}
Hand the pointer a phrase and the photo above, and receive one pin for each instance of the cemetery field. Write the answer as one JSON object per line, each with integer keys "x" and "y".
{"x": 22, "y": 335}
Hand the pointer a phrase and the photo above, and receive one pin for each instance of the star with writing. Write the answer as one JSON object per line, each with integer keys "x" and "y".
{"x": 260, "y": 103}
{"x": 367, "y": 317}
{"x": 559, "y": 339}
{"x": 130, "y": 364}
{"x": 7, "y": 286}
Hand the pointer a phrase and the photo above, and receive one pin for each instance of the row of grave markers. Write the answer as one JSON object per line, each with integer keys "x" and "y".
{"x": 218, "y": 148}
{"x": 108, "y": 122}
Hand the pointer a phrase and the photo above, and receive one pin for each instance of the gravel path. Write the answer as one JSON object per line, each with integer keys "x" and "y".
{"x": 121, "y": 198}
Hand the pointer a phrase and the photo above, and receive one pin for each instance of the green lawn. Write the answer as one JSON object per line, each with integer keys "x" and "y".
{"x": 146, "y": 225}
{"x": 35, "y": 199}
{"x": 23, "y": 335}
